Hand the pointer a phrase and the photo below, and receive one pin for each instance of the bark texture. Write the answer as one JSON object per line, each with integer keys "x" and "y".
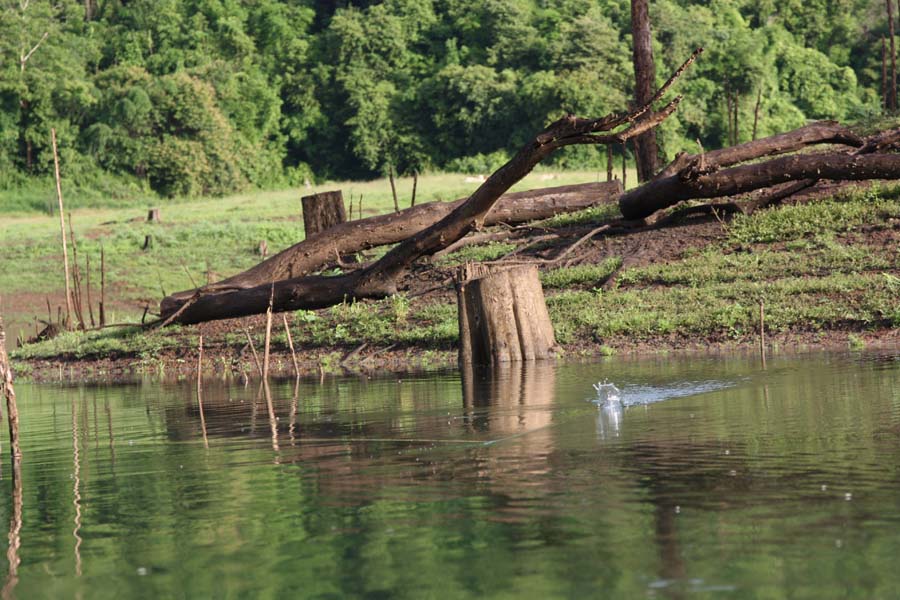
{"x": 323, "y": 211}
{"x": 665, "y": 192}
{"x": 504, "y": 318}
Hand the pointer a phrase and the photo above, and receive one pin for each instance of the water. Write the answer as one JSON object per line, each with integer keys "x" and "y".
{"x": 710, "y": 478}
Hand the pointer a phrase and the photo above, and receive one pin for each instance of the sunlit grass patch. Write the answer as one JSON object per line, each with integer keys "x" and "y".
{"x": 817, "y": 218}
{"x": 112, "y": 342}
{"x": 581, "y": 274}
{"x": 818, "y": 257}
{"x": 727, "y": 310}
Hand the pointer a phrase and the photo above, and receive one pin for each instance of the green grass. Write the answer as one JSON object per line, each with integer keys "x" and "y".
{"x": 829, "y": 216}
{"x": 580, "y": 275}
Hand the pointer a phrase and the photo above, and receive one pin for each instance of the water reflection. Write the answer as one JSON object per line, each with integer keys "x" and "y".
{"x": 15, "y": 529}
{"x": 476, "y": 484}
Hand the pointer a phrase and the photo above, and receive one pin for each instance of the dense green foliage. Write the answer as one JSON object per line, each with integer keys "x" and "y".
{"x": 189, "y": 97}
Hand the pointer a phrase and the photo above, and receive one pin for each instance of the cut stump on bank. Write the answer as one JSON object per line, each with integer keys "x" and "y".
{"x": 503, "y": 316}
{"x": 323, "y": 211}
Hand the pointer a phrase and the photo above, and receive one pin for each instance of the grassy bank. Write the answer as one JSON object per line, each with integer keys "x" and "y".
{"x": 197, "y": 239}
{"x": 828, "y": 271}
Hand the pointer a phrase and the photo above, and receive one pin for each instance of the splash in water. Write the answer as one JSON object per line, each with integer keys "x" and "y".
{"x": 607, "y": 394}
{"x": 609, "y": 415}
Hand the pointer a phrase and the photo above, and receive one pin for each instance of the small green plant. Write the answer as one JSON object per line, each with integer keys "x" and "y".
{"x": 855, "y": 342}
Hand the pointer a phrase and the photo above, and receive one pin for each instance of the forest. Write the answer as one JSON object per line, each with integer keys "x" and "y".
{"x": 207, "y": 97}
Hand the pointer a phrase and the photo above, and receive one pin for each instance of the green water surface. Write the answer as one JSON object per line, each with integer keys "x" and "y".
{"x": 719, "y": 480}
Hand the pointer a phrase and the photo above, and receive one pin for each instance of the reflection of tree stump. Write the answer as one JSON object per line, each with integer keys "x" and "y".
{"x": 502, "y": 316}
{"x": 322, "y": 211}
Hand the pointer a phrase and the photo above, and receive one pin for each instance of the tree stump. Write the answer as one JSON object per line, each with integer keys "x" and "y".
{"x": 502, "y": 316}
{"x": 322, "y": 211}
{"x": 153, "y": 215}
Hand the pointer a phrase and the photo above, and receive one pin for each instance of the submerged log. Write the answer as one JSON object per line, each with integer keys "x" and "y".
{"x": 323, "y": 211}
{"x": 503, "y": 316}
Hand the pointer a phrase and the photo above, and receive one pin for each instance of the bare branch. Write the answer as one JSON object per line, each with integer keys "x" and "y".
{"x": 24, "y": 58}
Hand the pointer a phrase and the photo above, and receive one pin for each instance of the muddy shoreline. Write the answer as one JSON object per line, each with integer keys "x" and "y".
{"x": 227, "y": 361}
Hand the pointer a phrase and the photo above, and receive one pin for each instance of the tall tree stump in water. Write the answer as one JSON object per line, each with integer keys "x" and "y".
{"x": 323, "y": 211}
{"x": 502, "y": 316}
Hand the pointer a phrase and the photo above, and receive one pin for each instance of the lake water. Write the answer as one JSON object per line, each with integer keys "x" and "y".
{"x": 717, "y": 479}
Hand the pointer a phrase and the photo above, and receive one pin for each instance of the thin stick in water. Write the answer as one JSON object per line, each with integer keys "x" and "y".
{"x": 253, "y": 350}
{"x": 268, "y": 334}
{"x": 762, "y": 330}
{"x": 9, "y": 393}
{"x": 290, "y": 340}
{"x": 200, "y": 389}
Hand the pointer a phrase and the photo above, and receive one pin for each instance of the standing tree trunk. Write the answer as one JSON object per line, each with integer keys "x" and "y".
{"x": 609, "y": 164}
{"x": 645, "y": 146}
{"x": 323, "y": 211}
{"x": 734, "y": 104}
{"x": 892, "y": 93}
{"x": 885, "y": 102}
{"x": 756, "y": 113}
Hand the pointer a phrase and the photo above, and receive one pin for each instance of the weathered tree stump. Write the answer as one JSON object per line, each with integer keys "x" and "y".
{"x": 323, "y": 211}
{"x": 153, "y": 215}
{"x": 502, "y": 316}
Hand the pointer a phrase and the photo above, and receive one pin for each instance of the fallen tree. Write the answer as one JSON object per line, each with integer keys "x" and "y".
{"x": 322, "y": 248}
{"x": 704, "y": 176}
{"x": 380, "y": 279}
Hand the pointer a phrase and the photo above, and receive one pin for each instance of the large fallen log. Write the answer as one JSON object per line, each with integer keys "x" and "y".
{"x": 698, "y": 176}
{"x": 820, "y": 132}
{"x": 380, "y": 279}
{"x": 349, "y": 237}
{"x": 665, "y": 192}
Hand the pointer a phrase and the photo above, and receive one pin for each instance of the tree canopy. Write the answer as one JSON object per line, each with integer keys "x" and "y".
{"x": 190, "y": 97}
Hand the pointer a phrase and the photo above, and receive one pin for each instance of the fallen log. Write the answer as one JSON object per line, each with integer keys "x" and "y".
{"x": 350, "y": 237}
{"x": 665, "y": 192}
{"x": 820, "y": 132}
{"x": 380, "y": 279}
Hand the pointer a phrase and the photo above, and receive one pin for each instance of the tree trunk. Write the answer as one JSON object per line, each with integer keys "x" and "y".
{"x": 668, "y": 191}
{"x": 645, "y": 146}
{"x": 323, "y": 211}
{"x": 756, "y": 114}
{"x": 504, "y": 318}
{"x": 609, "y": 163}
{"x": 735, "y": 129}
{"x": 892, "y": 93}
{"x": 885, "y": 100}
{"x": 354, "y": 236}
